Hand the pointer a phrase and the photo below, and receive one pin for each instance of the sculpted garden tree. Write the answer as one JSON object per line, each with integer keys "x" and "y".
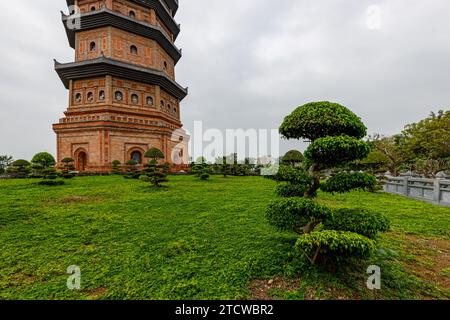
{"x": 19, "y": 169}
{"x": 43, "y": 166}
{"x": 336, "y": 136}
{"x": 152, "y": 172}
{"x": 293, "y": 158}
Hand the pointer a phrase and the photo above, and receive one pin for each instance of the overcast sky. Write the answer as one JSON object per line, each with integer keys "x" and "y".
{"x": 248, "y": 63}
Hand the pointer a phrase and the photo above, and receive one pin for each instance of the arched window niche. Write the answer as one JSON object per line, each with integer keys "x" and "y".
{"x": 134, "y": 98}
{"x": 118, "y": 96}
{"x": 149, "y": 101}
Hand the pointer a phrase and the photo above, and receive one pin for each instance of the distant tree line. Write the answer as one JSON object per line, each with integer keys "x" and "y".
{"x": 422, "y": 147}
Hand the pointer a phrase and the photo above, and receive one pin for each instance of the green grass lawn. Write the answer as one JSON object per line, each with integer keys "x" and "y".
{"x": 199, "y": 240}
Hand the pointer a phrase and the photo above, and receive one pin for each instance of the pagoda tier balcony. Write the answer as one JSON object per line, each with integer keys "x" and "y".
{"x": 105, "y": 66}
{"x": 173, "y": 5}
{"x": 161, "y": 8}
{"x": 106, "y": 17}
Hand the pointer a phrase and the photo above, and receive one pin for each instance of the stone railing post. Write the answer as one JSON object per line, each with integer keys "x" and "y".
{"x": 405, "y": 186}
{"x": 437, "y": 191}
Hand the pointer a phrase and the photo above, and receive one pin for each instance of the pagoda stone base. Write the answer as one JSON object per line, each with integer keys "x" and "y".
{"x": 94, "y": 150}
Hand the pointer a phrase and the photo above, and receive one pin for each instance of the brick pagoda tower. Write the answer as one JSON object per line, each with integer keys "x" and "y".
{"x": 123, "y": 97}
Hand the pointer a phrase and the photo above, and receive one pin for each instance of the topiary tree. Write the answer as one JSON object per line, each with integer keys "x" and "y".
{"x": 154, "y": 154}
{"x": 44, "y": 159}
{"x": 225, "y": 168}
{"x": 166, "y": 168}
{"x": 115, "y": 166}
{"x": 335, "y": 134}
{"x": 19, "y": 169}
{"x": 132, "y": 170}
{"x": 201, "y": 171}
{"x": 43, "y": 164}
{"x": 67, "y": 167}
{"x": 153, "y": 174}
{"x": 292, "y": 158}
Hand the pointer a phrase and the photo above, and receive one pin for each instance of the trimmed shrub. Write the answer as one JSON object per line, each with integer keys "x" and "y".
{"x": 292, "y": 158}
{"x": 153, "y": 174}
{"x": 332, "y": 246}
{"x": 132, "y": 170}
{"x": 320, "y": 119}
{"x": 115, "y": 166}
{"x": 154, "y": 154}
{"x": 363, "y": 222}
{"x": 204, "y": 176}
{"x": 297, "y": 214}
{"x": 44, "y": 159}
{"x": 332, "y": 151}
{"x": 68, "y": 165}
{"x": 288, "y": 190}
{"x": 346, "y": 182}
{"x": 293, "y": 175}
{"x": 201, "y": 171}
{"x": 19, "y": 169}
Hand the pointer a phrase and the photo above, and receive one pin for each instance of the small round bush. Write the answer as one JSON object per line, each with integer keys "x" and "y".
{"x": 154, "y": 153}
{"x": 331, "y": 245}
{"x": 293, "y": 213}
{"x": 292, "y": 157}
{"x": 332, "y": 151}
{"x": 363, "y": 222}
{"x": 320, "y": 119}
{"x": 44, "y": 159}
{"x": 131, "y": 163}
{"x": 288, "y": 190}
{"x": 20, "y": 163}
{"x": 144, "y": 178}
{"x": 204, "y": 176}
{"x": 346, "y": 182}
{"x": 292, "y": 175}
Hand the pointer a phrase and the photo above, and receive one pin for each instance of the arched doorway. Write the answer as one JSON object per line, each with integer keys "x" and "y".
{"x": 136, "y": 156}
{"x": 81, "y": 161}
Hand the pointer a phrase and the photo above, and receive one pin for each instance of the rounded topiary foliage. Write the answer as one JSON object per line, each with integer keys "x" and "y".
{"x": 20, "y": 163}
{"x": 44, "y": 159}
{"x": 204, "y": 176}
{"x": 292, "y": 157}
{"x": 344, "y": 182}
{"x": 363, "y": 222}
{"x": 332, "y": 151}
{"x": 296, "y": 214}
{"x": 131, "y": 163}
{"x": 289, "y": 190}
{"x": 19, "y": 169}
{"x": 154, "y": 153}
{"x": 331, "y": 245}
{"x": 320, "y": 119}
